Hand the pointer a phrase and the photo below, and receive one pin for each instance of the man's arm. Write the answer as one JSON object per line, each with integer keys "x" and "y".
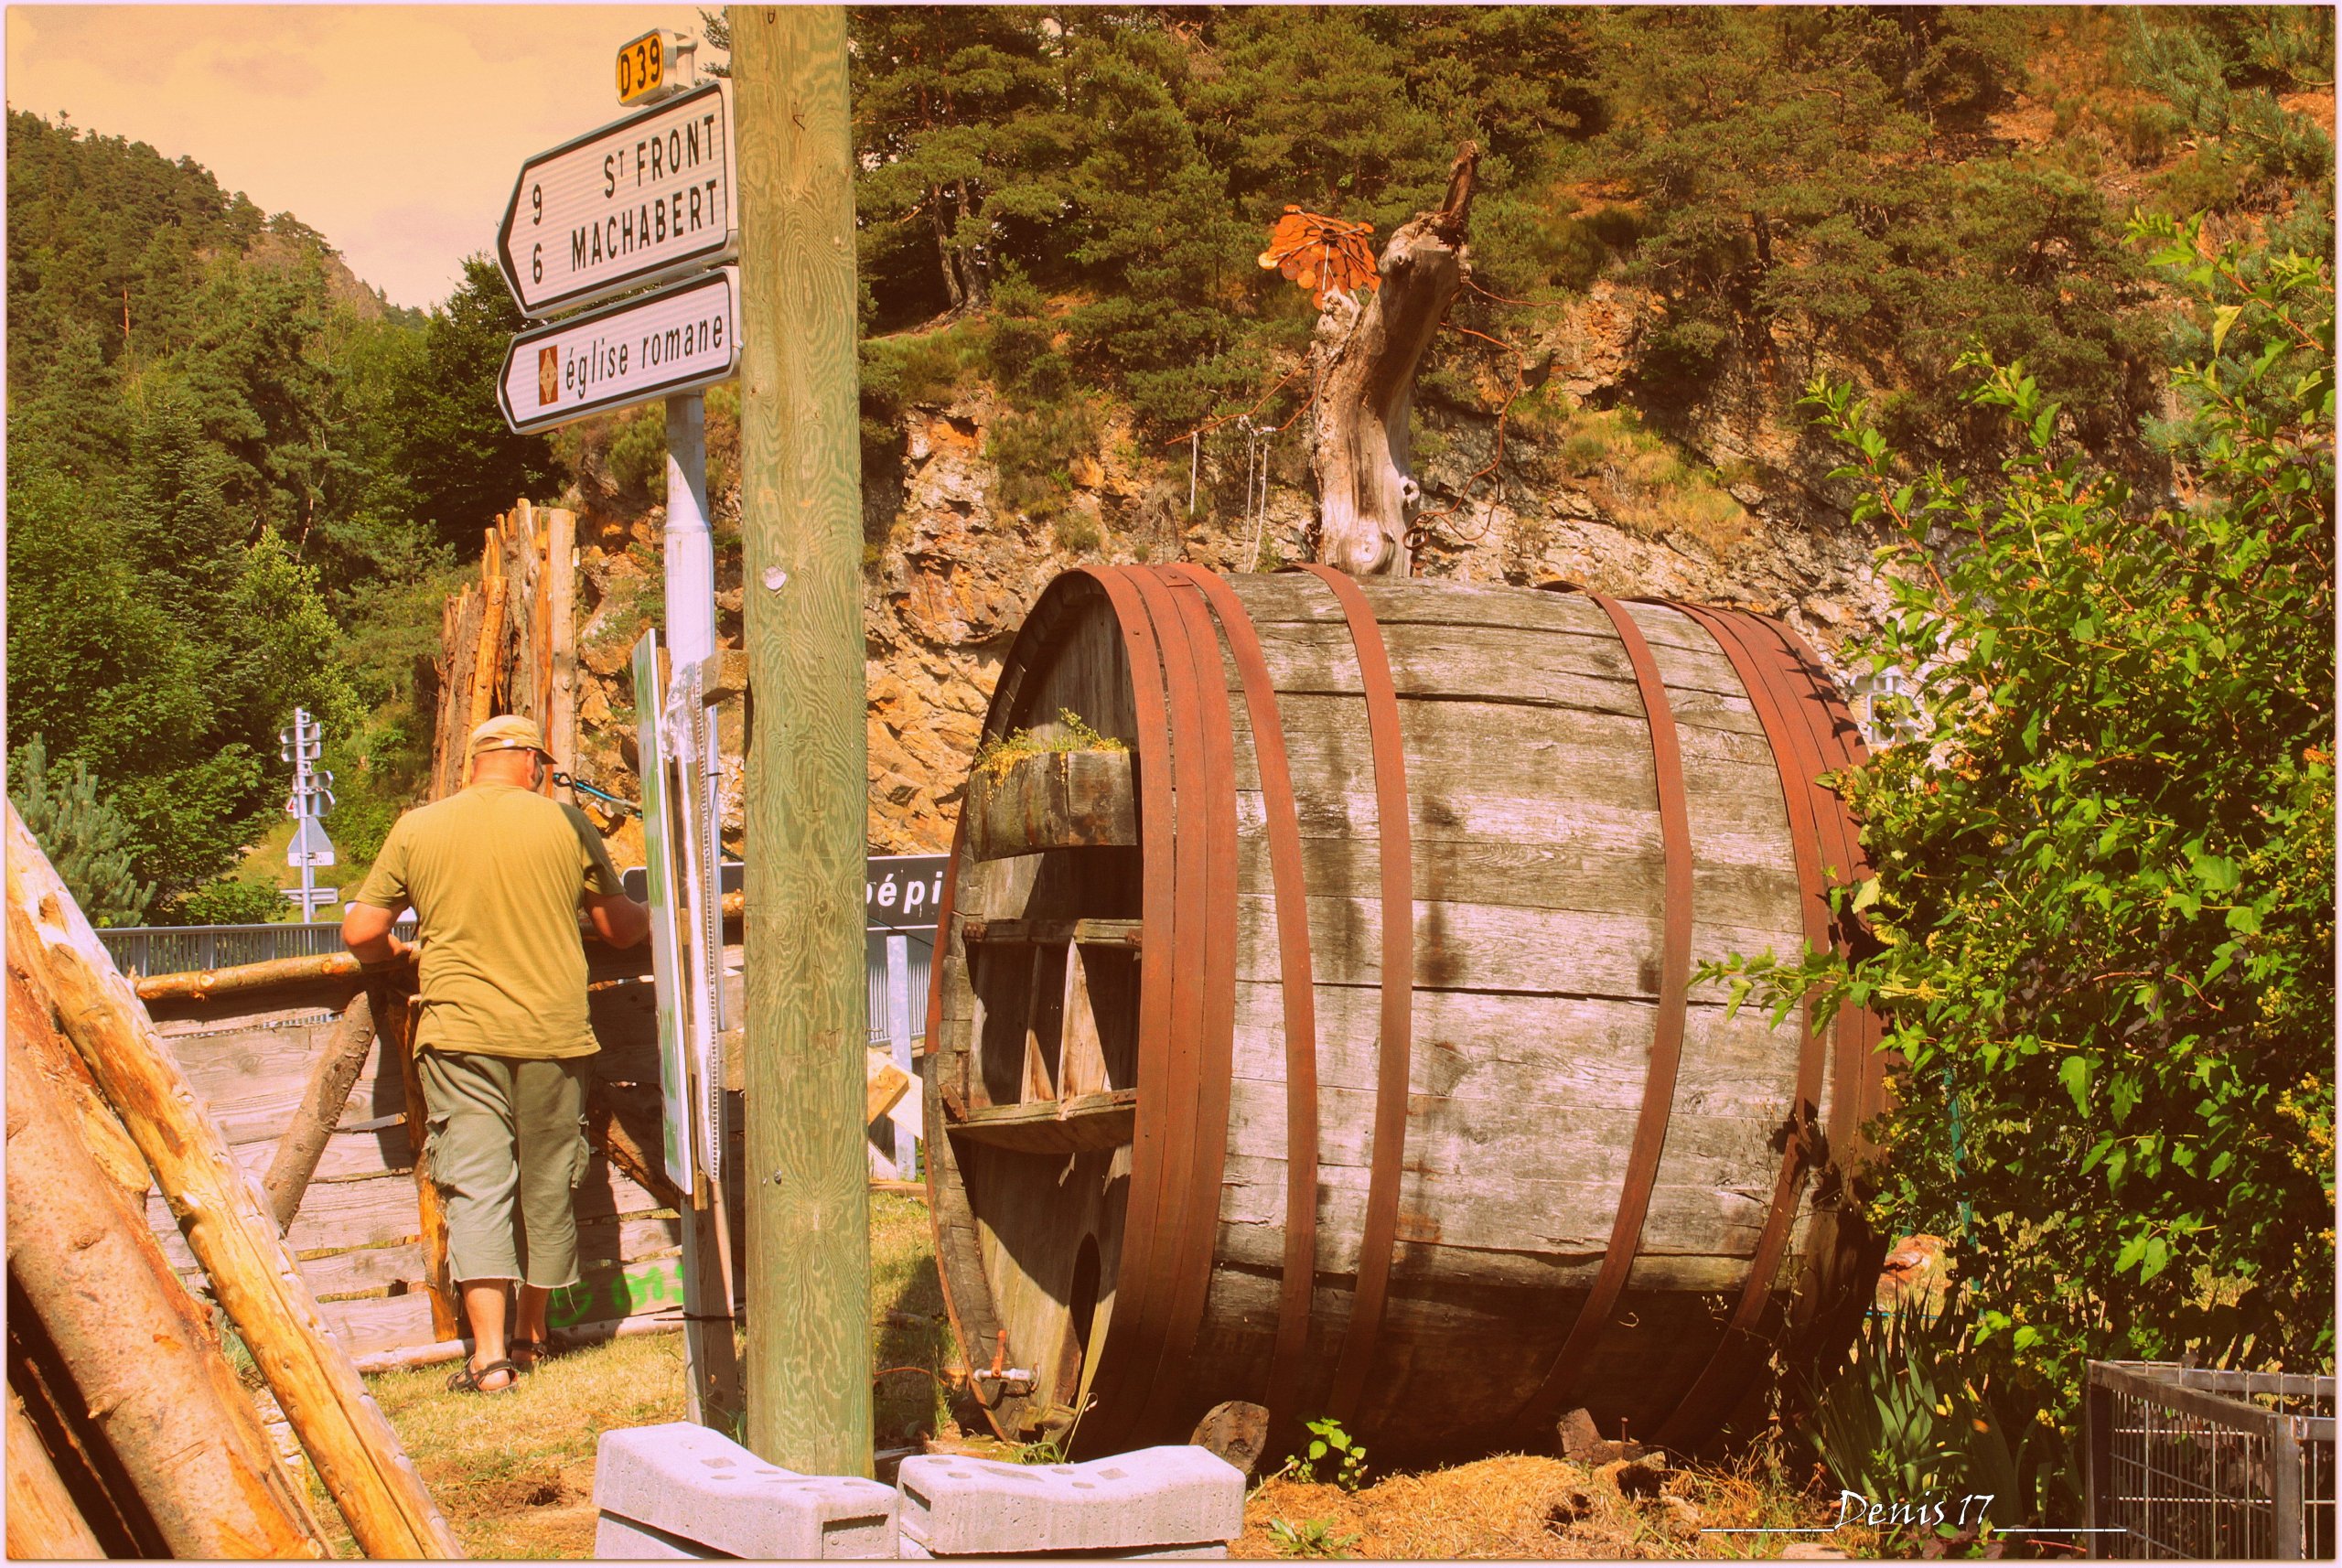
{"x": 366, "y": 931}
{"x": 617, "y": 918}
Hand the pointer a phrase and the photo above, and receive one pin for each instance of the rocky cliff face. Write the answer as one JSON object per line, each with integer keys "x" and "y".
{"x": 1579, "y": 492}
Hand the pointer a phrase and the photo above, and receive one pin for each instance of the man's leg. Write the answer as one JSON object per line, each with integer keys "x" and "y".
{"x": 484, "y": 1309}
{"x": 472, "y": 1162}
{"x": 548, "y": 1109}
{"x": 529, "y": 1320}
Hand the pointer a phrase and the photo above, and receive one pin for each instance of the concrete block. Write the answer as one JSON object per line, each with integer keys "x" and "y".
{"x": 623, "y": 1538}
{"x": 1213, "y": 1551}
{"x": 1174, "y": 1496}
{"x": 702, "y": 1488}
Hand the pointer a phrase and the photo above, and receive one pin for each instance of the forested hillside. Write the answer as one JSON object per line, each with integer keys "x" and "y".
{"x": 237, "y": 480}
{"x": 235, "y": 477}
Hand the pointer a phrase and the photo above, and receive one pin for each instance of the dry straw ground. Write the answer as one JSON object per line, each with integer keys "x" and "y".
{"x": 515, "y": 1474}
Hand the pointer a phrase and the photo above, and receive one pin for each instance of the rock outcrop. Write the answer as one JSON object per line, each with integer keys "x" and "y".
{"x": 950, "y": 571}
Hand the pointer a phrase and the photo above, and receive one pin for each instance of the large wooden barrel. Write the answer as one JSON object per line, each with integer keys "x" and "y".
{"x": 1336, "y": 1048}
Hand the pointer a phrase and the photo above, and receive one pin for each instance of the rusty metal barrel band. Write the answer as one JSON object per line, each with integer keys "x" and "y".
{"x": 1213, "y": 819}
{"x": 1842, "y": 747}
{"x": 1841, "y": 850}
{"x": 1116, "y": 1382}
{"x": 1667, "y": 1042}
{"x": 1171, "y": 1195}
{"x": 1379, "y": 1236}
{"x": 1281, "y": 827}
{"x": 1740, "y": 1351}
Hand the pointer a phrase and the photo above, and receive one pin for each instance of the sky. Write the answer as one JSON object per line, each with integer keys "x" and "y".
{"x": 395, "y": 131}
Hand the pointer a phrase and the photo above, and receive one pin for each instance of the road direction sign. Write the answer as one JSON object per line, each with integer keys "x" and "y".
{"x": 311, "y": 899}
{"x": 654, "y": 67}
{"x": 645, "y": 198}
{"x": 678, "y": 340}
{"x": 309, "y": 846}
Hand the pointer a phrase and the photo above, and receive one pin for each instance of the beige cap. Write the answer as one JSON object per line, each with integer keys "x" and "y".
{"x": 508, "y": 732}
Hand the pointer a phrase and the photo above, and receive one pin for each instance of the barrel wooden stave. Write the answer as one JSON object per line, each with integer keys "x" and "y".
{"x": 1534, "y": 818}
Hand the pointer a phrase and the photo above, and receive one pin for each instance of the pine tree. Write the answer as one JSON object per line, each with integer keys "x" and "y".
{"x": 84, "y": 837}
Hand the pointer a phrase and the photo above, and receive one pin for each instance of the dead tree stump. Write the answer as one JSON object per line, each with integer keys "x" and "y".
{"x": 1363, "y": 365}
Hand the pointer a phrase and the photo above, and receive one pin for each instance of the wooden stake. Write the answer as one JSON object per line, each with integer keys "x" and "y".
{"x": 330, "y": 1080}
{"x": 487, "y": 666}
{"x": 160, "y": 1393}
{"x": 42, "y": 1521}
{"x": 560, "y": 610}
{"x": 225, "y": 1223}
{"x": 808, "y": 1201}
{"x": 395, "y": 1007}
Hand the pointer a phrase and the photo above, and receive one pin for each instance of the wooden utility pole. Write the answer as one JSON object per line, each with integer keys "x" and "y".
{"x": 800, "y": 517}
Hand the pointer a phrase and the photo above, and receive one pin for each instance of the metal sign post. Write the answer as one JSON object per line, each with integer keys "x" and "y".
{"x": 643, "y": 200}
{"x": 312, "y": 797}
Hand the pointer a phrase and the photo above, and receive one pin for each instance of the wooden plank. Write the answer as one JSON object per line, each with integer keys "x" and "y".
{"x": 1282, "y": 598}
{"x": 1602, "y": 870}
{"x": 1050, "y": 799}
{"x": 1480, "y": 946}
{"x": 379, "y": 1211}
{"x": 1515, "y": 1230}
{"x": 1050, "y": 933}
{"x": 1082, "y": 1121}
{"x": 1560, "y": 756}
{"x": 1586, "y": 1051}
{"x": 1510, "y": 666}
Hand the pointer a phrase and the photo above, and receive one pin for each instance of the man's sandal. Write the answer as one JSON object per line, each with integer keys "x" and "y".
{"x": 465, "y": 1380}
{"x": 529, "y": 1352}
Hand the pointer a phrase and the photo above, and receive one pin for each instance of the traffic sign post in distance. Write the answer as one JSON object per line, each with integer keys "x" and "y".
{"x": 643, "y": 198}
{"x": 679, "y": 340}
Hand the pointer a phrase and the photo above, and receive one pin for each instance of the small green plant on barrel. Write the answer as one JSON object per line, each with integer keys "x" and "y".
{"x": 998, "y": 754}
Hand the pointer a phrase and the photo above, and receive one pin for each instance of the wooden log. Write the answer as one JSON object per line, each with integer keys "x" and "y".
{"x": 65, "y": 1426}
{"x": 95, "y": 1126}
{"x": 253, "y": 980}
{"x": 396, "y": 1009}
{"x": 338, "y": 1067}
{"x": 226, "y": 1224}
{"x": 486, "y": 658}
{"x": 244, "y": 978}
{"x": 560, "y": 612}
{"x": 608, "y": 1109}
{"x": 162, "y": 1395}
{"x": 42, "y": 1521}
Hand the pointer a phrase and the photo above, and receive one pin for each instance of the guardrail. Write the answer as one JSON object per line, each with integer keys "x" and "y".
{"x": 175, "y": 949}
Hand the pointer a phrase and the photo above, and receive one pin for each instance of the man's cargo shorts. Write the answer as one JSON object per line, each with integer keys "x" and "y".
{"x": 507, "y": 1148}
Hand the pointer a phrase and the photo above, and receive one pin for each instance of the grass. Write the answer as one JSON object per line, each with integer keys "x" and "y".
{"x": 1637, "y": 478}
{"x": 514, "y": 1473}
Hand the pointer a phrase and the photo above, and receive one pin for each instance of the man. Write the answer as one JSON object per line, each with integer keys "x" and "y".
{"x": 496, "y": 874}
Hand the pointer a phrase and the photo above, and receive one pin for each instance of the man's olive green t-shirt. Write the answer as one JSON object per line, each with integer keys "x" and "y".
{"x": 495, "y": 874}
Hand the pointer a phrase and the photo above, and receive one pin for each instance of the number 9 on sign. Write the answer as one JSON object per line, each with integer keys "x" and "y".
{"x": 642, "y": 67}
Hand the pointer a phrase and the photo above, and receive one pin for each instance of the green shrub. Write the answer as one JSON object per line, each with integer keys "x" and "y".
{"x": 87, "y": 841}
{"x": 233, "y": 901}
{"x": 2102, "y": 920}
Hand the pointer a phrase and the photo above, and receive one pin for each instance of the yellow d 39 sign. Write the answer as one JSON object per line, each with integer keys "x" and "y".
{"x": 642, "y": 68}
